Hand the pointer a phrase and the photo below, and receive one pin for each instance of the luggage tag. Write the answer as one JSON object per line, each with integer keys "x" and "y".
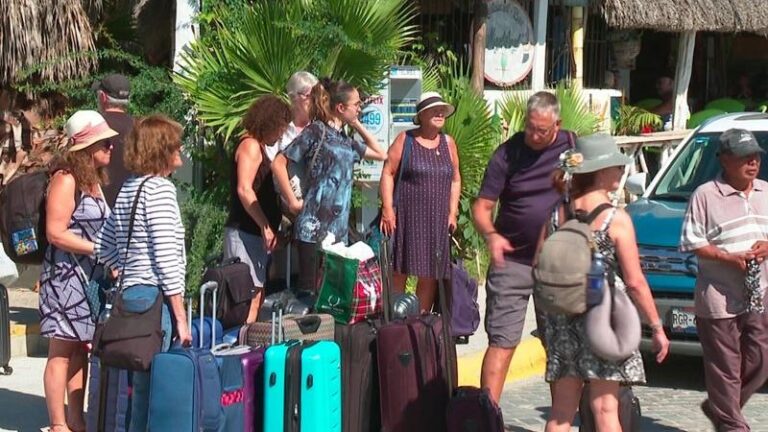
{"x": 24, "y": 241}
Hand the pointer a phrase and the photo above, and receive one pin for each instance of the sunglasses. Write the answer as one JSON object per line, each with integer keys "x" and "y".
{"x": 107, "y": 145}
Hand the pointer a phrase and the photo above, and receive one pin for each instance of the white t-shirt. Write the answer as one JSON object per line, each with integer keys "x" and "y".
{"x": 290, "y": 133}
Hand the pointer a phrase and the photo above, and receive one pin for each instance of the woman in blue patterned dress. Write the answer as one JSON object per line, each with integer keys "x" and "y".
{"x": 329, "y": 157}
{"x": 75, "y": 211}
{"x": 427, "y": 199}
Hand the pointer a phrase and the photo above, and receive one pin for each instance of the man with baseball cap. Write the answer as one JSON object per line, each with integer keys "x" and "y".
{"x": 726, "y": 227}
{"x": 112, "y": 93}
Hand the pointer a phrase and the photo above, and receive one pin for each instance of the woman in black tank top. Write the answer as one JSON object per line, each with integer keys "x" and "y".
{"x": 254, "y": 213}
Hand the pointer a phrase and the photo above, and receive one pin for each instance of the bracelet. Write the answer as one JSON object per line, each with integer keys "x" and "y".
{"x": 490, "y": 233}
{"x": 656, "y": 326}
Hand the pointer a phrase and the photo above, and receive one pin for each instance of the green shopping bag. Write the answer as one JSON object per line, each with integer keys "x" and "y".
{"x": 350, "y": 289}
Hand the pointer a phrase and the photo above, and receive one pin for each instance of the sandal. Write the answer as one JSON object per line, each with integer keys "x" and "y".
{"x": 56, "y": 428}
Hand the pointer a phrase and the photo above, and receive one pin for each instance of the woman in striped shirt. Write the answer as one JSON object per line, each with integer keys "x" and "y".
{"x": 156, "y": 258}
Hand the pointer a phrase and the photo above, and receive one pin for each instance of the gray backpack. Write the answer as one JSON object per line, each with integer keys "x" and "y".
{"x": 560, "y": 273}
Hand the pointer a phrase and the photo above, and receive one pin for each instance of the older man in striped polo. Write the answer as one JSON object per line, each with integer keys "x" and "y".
{"x": 726, "y": 226}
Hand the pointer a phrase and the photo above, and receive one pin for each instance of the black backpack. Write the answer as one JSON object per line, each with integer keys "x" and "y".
{"x": 22, "y": 217}
{"x": 235, "y": 292}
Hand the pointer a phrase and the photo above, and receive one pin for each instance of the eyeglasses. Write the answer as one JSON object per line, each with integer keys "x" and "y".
{"x": 539, "y": 131}
{"x": 357, "y": 104}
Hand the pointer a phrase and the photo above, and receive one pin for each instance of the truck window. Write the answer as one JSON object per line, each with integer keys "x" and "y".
{"x": 697, "y": 163}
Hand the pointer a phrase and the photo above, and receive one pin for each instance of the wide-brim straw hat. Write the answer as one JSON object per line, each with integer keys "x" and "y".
{"x": 86, "y": 128}
{"x": 597, "y": 152}
{"x": 430, "y": 100}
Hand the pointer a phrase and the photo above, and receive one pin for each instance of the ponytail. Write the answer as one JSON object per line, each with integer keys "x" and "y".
{"x": 326, "y": 94}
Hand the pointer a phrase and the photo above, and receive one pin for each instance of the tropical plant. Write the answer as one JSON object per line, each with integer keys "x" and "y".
{"x": 152, "y": 90}
{"x": 355, "y": 40}
{"x": 574, "y": 112}
{"x": 203, "y": 219}
{"x": 635, "y": 120}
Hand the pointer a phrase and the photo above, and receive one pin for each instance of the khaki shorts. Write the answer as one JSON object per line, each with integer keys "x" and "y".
{"x": 508, "y": 289}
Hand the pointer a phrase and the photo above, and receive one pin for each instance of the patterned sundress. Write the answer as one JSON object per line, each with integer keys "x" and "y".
{"x": 565, "y": 337}
{"x": 423, "y": 206}
{"x": 64, "y": 311}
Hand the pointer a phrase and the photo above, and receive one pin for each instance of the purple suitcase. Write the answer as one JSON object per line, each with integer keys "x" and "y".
{"x": 472, "y": 409}
{"x": 413, "y": 355}
{"x": 243, "y": 395}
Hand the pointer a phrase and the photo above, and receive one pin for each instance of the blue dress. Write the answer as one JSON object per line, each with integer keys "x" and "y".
{"x": 64, "y": 310}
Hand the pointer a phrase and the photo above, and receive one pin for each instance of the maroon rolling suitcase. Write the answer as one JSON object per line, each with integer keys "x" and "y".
{"x": 412, "y": 357}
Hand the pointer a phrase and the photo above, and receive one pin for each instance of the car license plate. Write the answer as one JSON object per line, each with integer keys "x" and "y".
{"x": 682, "y": 321}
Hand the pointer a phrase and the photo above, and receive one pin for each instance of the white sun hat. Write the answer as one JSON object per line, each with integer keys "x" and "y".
{"x": 429, "y": 100}
{"x": 85, "y": 128}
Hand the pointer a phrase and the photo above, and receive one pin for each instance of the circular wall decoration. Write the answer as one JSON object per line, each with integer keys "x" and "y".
{"x": 508, "y": 43}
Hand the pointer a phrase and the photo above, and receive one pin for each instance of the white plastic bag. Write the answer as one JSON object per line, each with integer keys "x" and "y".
{"x": 8, "y": 271}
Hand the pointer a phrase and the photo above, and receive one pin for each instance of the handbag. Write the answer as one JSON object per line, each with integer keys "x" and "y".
{"x": 96, "y": 290}
{"x": 351, "y": 289}
{"x": 129, "y": 339}
{"x": 613, "y": 327}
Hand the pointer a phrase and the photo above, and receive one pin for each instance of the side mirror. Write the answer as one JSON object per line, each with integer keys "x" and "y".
{"x": 636, "y": 183}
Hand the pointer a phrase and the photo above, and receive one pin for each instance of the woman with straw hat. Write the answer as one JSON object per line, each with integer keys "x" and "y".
{"x": 422, "y": 208}
{"x": 586, "y": 176}
{"x": 75, "y": 212}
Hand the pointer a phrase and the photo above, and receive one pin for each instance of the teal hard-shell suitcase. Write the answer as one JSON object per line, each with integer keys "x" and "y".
{"x": 302, "y": 387}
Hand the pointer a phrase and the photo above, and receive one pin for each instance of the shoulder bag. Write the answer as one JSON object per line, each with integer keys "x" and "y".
{"x": 130, "y": 339}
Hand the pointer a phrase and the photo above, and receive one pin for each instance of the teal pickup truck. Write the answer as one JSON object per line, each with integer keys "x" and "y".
{"x": 658, "y": 217}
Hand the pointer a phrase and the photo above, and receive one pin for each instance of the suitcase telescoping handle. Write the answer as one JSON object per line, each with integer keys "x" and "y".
{"x": 212, "y": 286}
{"x": 386, "y": 277}
{"x": 279, "y": 324}
{"x": 443, "y": 259}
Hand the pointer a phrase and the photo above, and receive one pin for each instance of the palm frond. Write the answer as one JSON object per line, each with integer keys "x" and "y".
{"x": 574, "y": 112}
{"x": 20, "y": 37}
{"x": 66, "y": 32}
{"x": 632, "y": 120}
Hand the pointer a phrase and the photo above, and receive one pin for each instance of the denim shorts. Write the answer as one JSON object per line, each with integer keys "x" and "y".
{"x": 139, "y": 298}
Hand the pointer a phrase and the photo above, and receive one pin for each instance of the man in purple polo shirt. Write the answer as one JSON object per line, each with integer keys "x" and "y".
{"x": 519, "y": 177}
{"x": 726, "y": 226}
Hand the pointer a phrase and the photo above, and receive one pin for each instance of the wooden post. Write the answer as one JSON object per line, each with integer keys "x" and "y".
{"x": 683, "y": 79}
{"x": 539, "y": 77}
{"x": 479, "y": 31}
{"x": 577, "y": 38}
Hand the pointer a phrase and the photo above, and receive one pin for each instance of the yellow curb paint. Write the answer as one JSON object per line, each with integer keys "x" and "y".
{"x": 529, "y": 360}
{"x": 23, "y": 330}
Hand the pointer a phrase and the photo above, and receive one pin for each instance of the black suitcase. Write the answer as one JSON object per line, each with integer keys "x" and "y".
{"x": 359, "y": 376}
{"x": 629, "y": 411}
{"x": 5, "y": 332}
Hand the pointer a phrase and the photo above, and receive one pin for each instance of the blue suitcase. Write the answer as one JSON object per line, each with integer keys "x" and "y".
{"x": 117, "y": 406}
{"x": 210, "y": 327}
{"x": 315, "y": 396}
{"x": 185, "y": 388}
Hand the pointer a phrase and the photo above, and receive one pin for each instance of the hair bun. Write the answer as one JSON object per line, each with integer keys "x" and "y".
{"x": 326, "y": 82}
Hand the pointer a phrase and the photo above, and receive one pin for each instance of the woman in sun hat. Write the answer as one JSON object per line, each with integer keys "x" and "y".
{"x": 586, "y": 176}
{"x": 422, "y": 208}
{"x": 75, "y": 212}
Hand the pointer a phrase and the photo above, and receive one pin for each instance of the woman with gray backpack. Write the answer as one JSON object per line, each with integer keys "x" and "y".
{"x": 586, "y": 266}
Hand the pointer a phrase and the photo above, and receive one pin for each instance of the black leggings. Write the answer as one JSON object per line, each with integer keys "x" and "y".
{"x": 307, "y": 266}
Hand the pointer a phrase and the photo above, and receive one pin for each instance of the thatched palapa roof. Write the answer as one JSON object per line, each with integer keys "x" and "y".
{"x": 51, "y": 32}
{"x": 688, "y": 15}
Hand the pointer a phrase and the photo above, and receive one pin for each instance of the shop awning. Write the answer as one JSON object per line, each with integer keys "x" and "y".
{"x": 688, "y": 15}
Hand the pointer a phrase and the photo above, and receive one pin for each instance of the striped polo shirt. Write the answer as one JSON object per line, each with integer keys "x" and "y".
{"x": 733, "y": 221}
{"x": 157, "y": 255}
